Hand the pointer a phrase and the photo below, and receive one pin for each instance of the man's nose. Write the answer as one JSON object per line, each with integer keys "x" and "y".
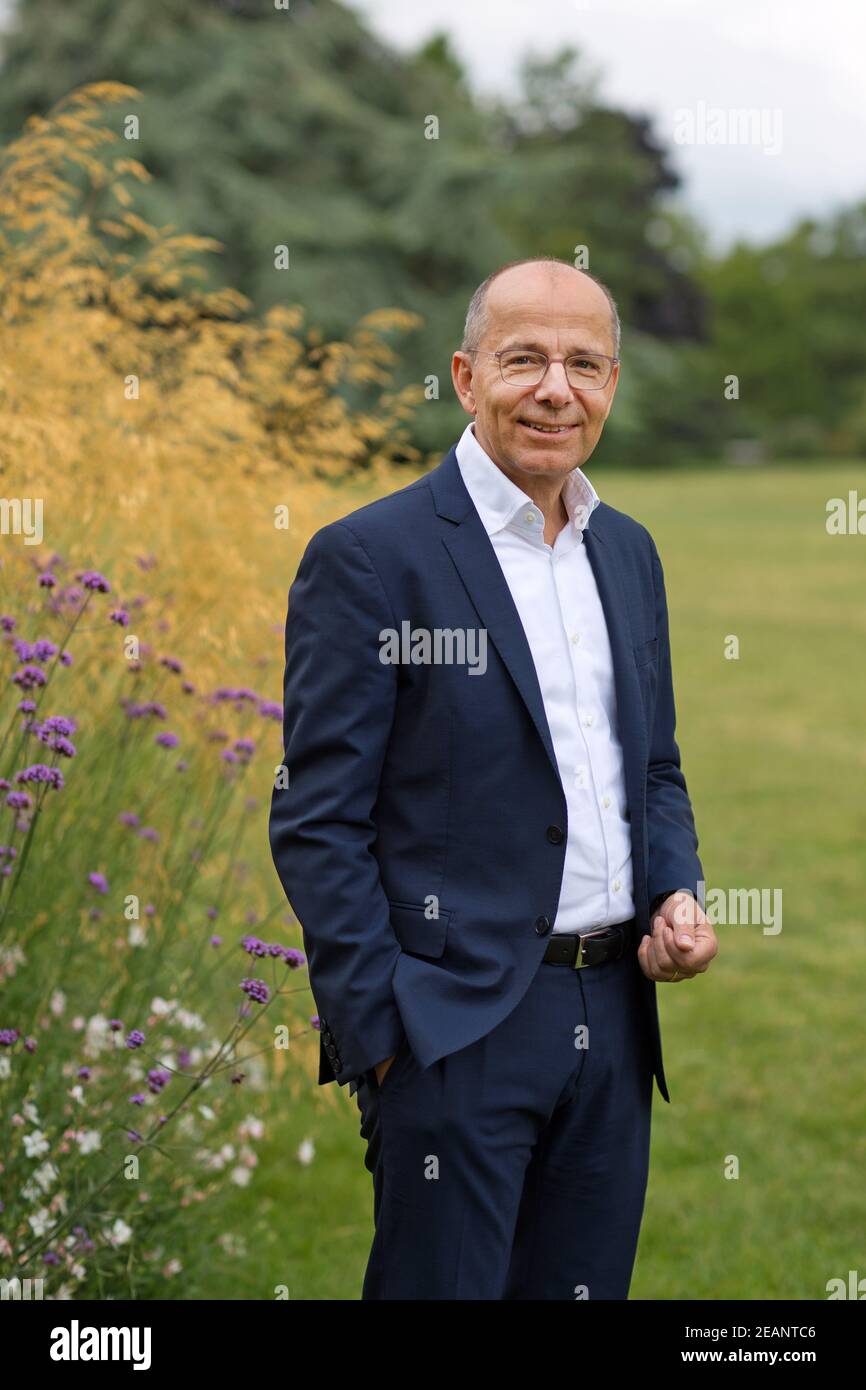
{"x": 554, "y": 385}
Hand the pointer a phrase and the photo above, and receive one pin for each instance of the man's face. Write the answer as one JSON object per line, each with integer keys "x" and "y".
{"x": 559, "y": 312}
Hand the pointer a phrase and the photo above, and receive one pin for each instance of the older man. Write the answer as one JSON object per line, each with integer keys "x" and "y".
{"x": 494, "y": 861}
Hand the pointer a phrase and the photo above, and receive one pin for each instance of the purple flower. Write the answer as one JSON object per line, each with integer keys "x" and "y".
{"x": 135, "y": 1038}
{"x": 254, "y": 946}
{"x": 26, "y": 707}
{"x": 84, "y": 1073}
{"x": 30, "y": 1044}
{"x": 96, "y": 582}
{"x": 19, "y": 801}
{"x": 51, "y": 1257}
{"x": 268, "y": 709}
{"x": 9, "y": 1036}
{"x": 228, "y": 756}
{"x": 256, "y": 989}
{"x": 245, "y": 747}
{"x": 156, "y": 1079}
{"x": 40, "y": 772}
{"x": 115, "y": 1024}
{"x": 293, "y": 957}
{"x": 147, "y": 832}
{"x": 47, "y": 580}
{"x": 119, "y": 616}
{"x": 7, "y": 622}
{"x": 28, "y": 677}
{"x": 167, "y": 740}
{"x": 99, "y": 882}
{"x": 216, "y": 941}
{"x": 129, "y": 818}
{"x": 171, "y": 663}
{"x": 57, "y": 724}
{"x": 138, "y": 1099}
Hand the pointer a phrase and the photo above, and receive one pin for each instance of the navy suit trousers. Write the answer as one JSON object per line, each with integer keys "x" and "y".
{"x": 517, "y": 1167}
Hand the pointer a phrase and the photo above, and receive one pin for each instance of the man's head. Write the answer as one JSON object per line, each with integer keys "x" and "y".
{"x": 547, "y": 306}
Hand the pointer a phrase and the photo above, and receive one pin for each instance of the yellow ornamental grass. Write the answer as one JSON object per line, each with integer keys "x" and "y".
{"x": 153, "y": 417}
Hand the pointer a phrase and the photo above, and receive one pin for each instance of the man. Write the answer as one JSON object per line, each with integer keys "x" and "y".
{"x": 486, "y": 834}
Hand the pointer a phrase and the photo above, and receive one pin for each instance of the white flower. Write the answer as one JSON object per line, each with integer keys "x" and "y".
{"x": 173, "y": 1267}
{"x": 137, "y": 935}
{"x": 241, "y": 1176}
{"x": 251, "y": 1128}
{"x": 119, "y": 1233}
{"x": 57, "y": 1003}
{"x": 162, "y": 1007}
{"x": 228, "y": 1151}
{"x": 30, "y": 1112}
{"x": 35, "y": 1144}
{"x": 32, "y": 1191}
{"x": 206, "y": 1112}
{"x": 77, "y": 1093}
{"x": 190, "y": 1020}
{"x": 78, "y": 1272}
{"x": 89, "y": 1141}
{"x": 5, "y": 1068}
{"x": 46, "y": 1175}
{"x": 306, "y": 1152}
{"x": 98, "y": 1036}
{"x": 41, "y": 1221}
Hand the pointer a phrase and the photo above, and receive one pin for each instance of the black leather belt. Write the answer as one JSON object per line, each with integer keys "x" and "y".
{"x": 590, "y": 948}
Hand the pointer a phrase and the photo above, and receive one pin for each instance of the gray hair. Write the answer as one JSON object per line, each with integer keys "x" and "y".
{"x": 477, "y": 315}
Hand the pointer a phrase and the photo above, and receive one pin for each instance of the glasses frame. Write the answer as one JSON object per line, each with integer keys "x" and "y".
{"x": 479, "y": 352}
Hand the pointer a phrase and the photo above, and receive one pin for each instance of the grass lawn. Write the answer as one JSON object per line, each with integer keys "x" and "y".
{"x": 764, "y": 1055}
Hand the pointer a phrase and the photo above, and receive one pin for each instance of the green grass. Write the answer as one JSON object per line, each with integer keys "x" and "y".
{"x": 764, "y": 1054}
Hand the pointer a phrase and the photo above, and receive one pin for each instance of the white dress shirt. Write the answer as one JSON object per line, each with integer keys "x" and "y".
{"x": 555, "y": 594}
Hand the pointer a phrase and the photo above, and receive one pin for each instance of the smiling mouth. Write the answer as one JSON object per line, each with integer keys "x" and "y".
{"x": 550, "y": 431}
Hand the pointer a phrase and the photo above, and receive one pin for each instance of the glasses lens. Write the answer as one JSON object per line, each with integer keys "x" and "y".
{"x": 523, "y": 368}
{"x": 587, "y": 372}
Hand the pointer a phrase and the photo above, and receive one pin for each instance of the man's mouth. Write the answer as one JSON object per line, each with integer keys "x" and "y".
{"x": 551, "y": 430}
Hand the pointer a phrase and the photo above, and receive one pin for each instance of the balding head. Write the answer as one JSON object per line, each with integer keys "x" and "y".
{"x": 524, "y": 273}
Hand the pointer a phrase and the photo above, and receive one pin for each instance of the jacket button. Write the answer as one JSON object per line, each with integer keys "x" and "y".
{"x": 326, "y": 1036}
{"x": 554, "y": 834}
{"x": 331, "y": 1050}
{"x": 542, "y": 925}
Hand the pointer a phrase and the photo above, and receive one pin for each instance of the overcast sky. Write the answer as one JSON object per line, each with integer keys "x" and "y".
{"x": 803, "y": 65}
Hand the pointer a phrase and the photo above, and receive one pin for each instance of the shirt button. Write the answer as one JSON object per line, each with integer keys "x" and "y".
{"x": 605, "y": 801}
{"x": 575, "y": 638}
{"x": 588, "y": 719}
{"x": 616, "y": 885}
{"x": 531, "y": 516}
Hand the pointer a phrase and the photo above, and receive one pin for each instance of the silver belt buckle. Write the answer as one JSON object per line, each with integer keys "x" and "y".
{"x": 579, "y": 962}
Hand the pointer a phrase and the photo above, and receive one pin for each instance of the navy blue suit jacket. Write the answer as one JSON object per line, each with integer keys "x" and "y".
{"x": 417, "y": 787}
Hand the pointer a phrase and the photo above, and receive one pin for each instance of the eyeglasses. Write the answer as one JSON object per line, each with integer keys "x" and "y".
{"x": 586, "y": 371}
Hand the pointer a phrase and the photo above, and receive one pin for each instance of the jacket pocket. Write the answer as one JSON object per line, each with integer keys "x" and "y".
{"x": 645, "y": 652}
{"x": 417, "y": 934}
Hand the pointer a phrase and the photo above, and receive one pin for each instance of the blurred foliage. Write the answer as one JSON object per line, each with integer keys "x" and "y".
{"x": 297, "y": 127}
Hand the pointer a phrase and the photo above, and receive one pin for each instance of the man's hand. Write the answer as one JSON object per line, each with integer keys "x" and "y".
{"x": 682, "y": 943}
{"x": 380, "y": 1074}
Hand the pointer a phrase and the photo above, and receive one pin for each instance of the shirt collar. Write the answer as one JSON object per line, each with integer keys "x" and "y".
{"x": 498, "y": 500}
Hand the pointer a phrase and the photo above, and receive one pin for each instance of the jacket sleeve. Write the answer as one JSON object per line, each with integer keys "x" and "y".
{"x": 338, "y": 703}
{"x": 672, "y": 861}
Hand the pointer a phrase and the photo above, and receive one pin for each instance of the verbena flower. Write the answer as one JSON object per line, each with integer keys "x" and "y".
{"x": 93, "y": 580}
{"x": 135, "y": 1038}
{"x": 257, "y": 990}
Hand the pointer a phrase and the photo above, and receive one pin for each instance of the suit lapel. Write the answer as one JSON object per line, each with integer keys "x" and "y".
{"x": 475, "y": 560}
